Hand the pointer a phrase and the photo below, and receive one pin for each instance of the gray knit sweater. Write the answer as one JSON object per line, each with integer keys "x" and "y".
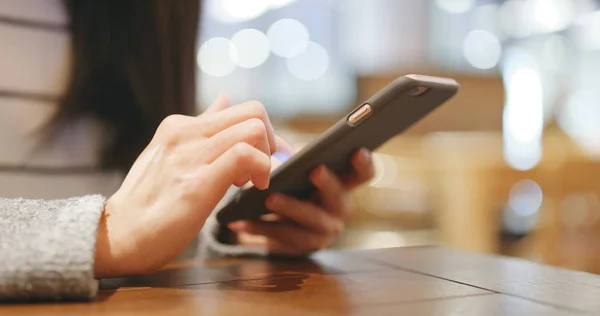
{"x": 47, "y": 247}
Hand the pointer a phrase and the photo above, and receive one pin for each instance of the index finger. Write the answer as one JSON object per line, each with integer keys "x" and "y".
{"x": 215, "y": 122}
{"x": 239, "y": 161}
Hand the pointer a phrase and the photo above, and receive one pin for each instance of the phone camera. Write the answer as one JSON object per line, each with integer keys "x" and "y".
{"x": 418, "y": 91}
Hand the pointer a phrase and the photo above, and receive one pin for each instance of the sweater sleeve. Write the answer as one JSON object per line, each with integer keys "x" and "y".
{"x": 47, "y": 248}
{"x": 212, "y": 246}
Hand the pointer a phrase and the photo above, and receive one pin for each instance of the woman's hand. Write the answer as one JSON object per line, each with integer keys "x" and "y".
{"x": 177, "y": 181}
{"x": 301, "y": 227}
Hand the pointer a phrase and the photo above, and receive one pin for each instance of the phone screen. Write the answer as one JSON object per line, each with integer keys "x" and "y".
{"x": 282, "y": 157}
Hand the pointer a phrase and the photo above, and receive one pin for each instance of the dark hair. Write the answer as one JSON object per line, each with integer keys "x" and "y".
{"x": 133, "y": 64}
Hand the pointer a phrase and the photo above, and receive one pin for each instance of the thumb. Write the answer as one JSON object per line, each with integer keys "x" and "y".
{"x": 220, "y": 103}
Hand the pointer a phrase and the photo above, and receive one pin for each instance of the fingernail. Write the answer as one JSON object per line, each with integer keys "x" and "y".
{"x": 323, "y": 174}
{"x": 365, "y": 155}
{"x": 274, "y": 201}
{"x": 236, "y": 226}
{"x": 319, "y": 176}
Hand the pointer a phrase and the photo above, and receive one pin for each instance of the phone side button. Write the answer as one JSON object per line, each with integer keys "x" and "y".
{"x": 359, "y": 114}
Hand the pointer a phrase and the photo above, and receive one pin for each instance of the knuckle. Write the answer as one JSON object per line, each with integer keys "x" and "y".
{"x": 242, "y": 152}
{"x": 256, "y": 128}
{"x": 246, "y": 156}
{"x": 337, "y": 228}
{"x": 257, "y": 107}
{"x": 172, "y": 121}
{"x": 170, "y": 128}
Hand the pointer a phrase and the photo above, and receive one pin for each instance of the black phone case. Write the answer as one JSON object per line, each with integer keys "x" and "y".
{"x": 393, "y": 110}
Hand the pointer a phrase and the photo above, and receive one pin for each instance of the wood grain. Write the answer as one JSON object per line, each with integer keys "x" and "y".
{"x": 489, "y": 305}
{"x": 548, "y": 285}
{"x": 406, "y": 281}
{"x": 189, "y": 272}
{"x": 297, "y": 293}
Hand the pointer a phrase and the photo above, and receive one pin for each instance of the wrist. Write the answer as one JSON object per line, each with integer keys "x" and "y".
{"x": 108, "y": 257}
{"x": 102, "y": 254}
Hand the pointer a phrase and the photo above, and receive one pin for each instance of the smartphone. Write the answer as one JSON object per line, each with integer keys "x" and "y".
{"x": 393, "y": 109}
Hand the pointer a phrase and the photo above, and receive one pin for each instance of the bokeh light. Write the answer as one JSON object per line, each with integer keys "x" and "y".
{"x": 487, "y": 17}
{"x": 252, "y": 48}
{"x": 236, "y": 11}
{"x": 555, "y": 53}
{"x": 525, "y": 197}
{"x": 550, "y": 16}
{"x": 524, "y": 203}
{"x": 513, "y": 20}
{"x": 217, "y": 57}
{"x": 523, "y": 117}
{"x": 524, "y": 18}
{"x": 482, "y": 49}
{"x": 311, "y": 64}
{"x": 288, "y": 38}
{"x": 587, "y": 32}
{"x": 579, "y": 118}
{"x": 386, "y": 171}
{"x": 524, "y": 109}
{"x": 455, "y": 6}
{"x": 274, "y": 4}
{"x": 244, "y": 9}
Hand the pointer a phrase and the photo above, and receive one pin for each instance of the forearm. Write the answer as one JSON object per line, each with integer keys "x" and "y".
{"x": 53, "y": 249}
{"x": 47, "y": 248}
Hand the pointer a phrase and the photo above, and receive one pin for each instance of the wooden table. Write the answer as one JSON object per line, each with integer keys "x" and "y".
{"x": 400, "y": 281}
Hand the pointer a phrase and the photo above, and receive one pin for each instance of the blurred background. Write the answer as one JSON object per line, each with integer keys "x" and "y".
{"x": 509, "y": 166}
